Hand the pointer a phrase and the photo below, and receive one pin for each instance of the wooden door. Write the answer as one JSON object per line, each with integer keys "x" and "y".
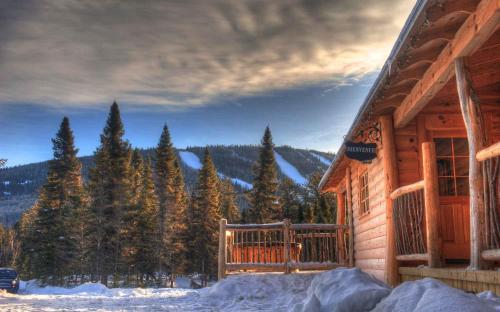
{"x": 453, "y": 171}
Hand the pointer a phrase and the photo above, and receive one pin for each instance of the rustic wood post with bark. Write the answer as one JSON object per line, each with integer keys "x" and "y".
{"x": 351, "y": 216}
{"x": 391, "y": 183}
{"x": 222, "y": 249}
{"x": 341, "y": 220}
{"x": 473, "y": 119}
{"x": 286, "y": 244}
{"x": 431, "y": 200}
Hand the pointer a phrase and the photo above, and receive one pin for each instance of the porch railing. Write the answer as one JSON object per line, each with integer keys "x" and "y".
{"x": 490, "y": 163}
{"x": 415, "y": 209}
{"x": 282, "y": 247}
{"x": 409, "y": 224}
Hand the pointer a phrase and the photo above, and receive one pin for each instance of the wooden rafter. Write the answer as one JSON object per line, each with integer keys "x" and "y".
{"x": 474, "y": 32}
{"x": 445, "y": 8}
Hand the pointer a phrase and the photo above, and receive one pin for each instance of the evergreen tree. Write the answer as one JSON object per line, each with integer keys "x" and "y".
{"x": 28, "y": 237}
{"x": 61, "y": 195}
{"x": 110, "y": 191}
{"x": 290, "y": 199}
{"x": 320, "y": 208}
{"x": 173, "y": 201}
{"x": 263, "y": 197}
{"x": 205, "y": 216}
{"x": 229, "y": 207}
{"x": 145, "y": 228}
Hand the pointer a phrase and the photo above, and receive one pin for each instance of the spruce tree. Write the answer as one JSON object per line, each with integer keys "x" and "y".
{"x": 144, "y": 231}
{"x": 173, "y": 201}
{"x": 110, "y": 191}
{"x": 264, "y": 201}
{"x": 320, "y": 208}
{"x": 205, "y": 217}
{"x": 59, "y": 198}
{"x": 229, "y": 207}
{"x": 290, "y": 199}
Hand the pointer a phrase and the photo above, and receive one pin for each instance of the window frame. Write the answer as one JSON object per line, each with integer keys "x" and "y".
{"x": 452, "y": 158}
{"x": 363, "y": 193}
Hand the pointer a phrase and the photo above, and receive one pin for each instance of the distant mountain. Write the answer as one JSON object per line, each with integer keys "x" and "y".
{"x": 19, "y": 185}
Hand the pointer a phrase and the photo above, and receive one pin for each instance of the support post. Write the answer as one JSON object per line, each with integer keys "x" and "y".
{"x": 431, "y": 200}
{"x": 391, "y": 183}
{"x": 286, "y": 243}
{"x": 341, "y": 220}
{"x": 351, "y": 216}
{"x": 473, "y": 119}
{"x": 222, "y": 249}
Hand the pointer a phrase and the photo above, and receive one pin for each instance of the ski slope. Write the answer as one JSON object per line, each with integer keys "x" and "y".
{"x": 193, "y": 161}
{"x": 324, "y": 160}
{"x": 289, "y": 170}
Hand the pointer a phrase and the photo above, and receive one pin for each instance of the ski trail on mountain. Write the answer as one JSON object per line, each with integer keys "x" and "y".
{"x": 321, "y": 158}
{"x": 193, "y": 161}
{"x": 289, "y": 170}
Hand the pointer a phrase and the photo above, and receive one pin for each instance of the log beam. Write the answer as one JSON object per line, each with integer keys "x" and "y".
{"x": 348, "y": 188}
{"x": 222, "y": 250}
{"x": 474, "y": 32}
{"x": 431, "y": 200}
{"x": 341, "y": 220}
{"x": 474, "y": 125}
{"x": 391, "y": 183}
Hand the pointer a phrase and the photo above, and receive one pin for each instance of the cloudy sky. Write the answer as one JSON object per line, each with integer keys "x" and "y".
{"x": 217, "y": 71}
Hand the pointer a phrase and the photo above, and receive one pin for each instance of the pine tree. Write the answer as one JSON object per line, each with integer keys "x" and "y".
{"x": 290, "y": 199}
{"x": 28, "y": 237}
{"x": 320, "y": 208}
{"x": 173, "y": 199}
{"x": 61, "y": 195}
{"x": 229, "y": 207}
{"x": 205, "y": 216}
{"x": 263, "y": 197}
{"x": 145, "y": 228}
{"x": 110, "y": 191}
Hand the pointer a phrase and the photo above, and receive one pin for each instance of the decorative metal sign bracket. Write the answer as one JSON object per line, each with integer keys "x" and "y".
{"x": 369, "y": 133}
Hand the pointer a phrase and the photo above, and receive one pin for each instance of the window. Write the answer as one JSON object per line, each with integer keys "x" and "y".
{"x": 453, "y": 166}
{"x": 363, "y": 193}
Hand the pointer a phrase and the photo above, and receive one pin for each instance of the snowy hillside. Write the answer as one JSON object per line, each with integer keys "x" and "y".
{"x": 19, "y": 185}
{"x": 337, "y": 290}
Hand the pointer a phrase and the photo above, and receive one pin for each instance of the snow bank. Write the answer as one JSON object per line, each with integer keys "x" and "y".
{"x": 322, "y": 159}
{"x": 289, "y": 170}
{"x": 190, "y": 159}
{"x": 267, "y": 292}
{"x": 343, "y": 290}
{"x": 32, "y": 288}
{"x": 431, "y": 295}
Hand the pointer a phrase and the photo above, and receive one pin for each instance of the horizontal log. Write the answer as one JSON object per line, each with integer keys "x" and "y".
{"x": 311, "y": 266}
{"x": 407, "y": 189}
{"x": 491, "y": 254}
{"x": 316, "y": 235}
{"x": 413, "y": 257}
{"x": 255, "y": 266}
{"x": 489, "y": 152}
{"x": 325, "y": 227}
{"x": 252, "y": 227}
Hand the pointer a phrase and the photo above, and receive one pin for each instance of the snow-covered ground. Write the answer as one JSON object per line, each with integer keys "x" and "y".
{"x": 190, "y": 159}
{"x": 289, "y": 170}
{"x": 337, "y": 290}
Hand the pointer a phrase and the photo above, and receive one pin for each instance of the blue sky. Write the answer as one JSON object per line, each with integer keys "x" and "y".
{"x": 217, "y": 72}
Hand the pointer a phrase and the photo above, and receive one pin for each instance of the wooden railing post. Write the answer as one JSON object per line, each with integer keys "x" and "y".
{"x": 348, "y": 188}
{"x": 474, "y": 125}
{"x": 431, "y": 200}
{"x": 341, "y": 220}
{"x": 222, "y": 249}
{"x": 286, "y": 245}
{"x": 391, "y": 183}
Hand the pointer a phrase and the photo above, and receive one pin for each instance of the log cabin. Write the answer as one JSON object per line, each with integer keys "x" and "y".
{"x": 417, "y": 176}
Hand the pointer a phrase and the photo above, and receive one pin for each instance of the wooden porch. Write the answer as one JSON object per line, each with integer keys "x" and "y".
{"x": 283, "y": 247}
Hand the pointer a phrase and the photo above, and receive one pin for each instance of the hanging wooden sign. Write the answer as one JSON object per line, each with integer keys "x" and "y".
{"x": 364, "y": 152}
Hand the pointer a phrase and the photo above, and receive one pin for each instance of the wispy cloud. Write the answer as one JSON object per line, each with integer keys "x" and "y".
{"x": 185, "y": 53}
